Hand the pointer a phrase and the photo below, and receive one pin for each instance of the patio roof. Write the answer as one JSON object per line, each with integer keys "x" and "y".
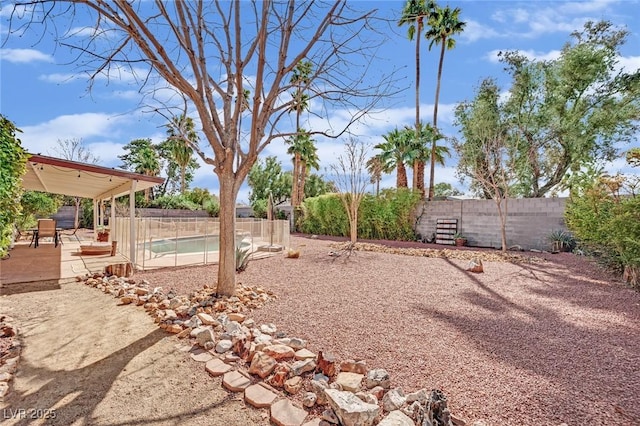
{"x": 58, "y": 176}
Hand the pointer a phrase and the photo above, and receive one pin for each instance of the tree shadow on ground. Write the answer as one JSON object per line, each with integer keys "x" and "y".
{"x": 590, "y": 359}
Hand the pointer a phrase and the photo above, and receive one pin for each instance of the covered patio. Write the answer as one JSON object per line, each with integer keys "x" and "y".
{"x": 47, "y": 264}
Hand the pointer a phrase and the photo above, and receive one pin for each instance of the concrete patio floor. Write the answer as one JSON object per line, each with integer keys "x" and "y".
{"x": 46, "y": 267}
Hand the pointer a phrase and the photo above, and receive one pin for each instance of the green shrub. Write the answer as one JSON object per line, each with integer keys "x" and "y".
{"x": 12, "y": 167}
{"x": 388, "y": 216}
{"x": 36, "y": 205}
{"x": 606, "y": 223}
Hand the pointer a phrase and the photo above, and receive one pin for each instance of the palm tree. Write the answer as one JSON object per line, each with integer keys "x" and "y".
{"x": 396, "y": 153}
{"x": 300, "y": 79}
{"x": 182, "y": 137}
{"x": 444, "y": 23}
{"x": 305, "y": 157}
{"x": 414, "y": 14}
{"x": 375, "y": 167}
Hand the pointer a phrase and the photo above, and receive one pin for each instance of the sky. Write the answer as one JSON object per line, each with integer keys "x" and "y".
{"x": 44, "y": 92}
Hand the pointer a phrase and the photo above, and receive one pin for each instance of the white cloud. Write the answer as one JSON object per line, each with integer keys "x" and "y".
{"x": 44, "y": 136}
{"x": 629, "y": 64}
{"x": 475, "y": 31}
{"x": 59, "y": 78}
{"x": 23, "y": 56}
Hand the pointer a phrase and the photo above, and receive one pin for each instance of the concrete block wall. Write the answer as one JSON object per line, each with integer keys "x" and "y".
{"x": 529, "y": 220}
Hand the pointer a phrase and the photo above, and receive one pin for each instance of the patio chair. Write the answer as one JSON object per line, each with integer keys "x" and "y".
{"x": 46, "y": 228}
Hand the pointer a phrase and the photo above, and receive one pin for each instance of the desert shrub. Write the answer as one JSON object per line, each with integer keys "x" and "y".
{"x": 606, "y": 222}
{"x": 387, "y": 216}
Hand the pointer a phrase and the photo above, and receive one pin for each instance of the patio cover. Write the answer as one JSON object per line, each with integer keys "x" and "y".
{"x": 58, "y": 176}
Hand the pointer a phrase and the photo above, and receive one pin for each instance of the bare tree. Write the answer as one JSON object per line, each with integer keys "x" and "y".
{"x": 209, "y": 52}
{"x": 75, "y": 150}
{"x": 351, "y": 179}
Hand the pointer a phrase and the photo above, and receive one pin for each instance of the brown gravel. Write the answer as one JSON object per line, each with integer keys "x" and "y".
{"x": 521, "y": 344}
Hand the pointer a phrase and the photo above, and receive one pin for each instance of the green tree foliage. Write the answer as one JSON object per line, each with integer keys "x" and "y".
{"x": 305, "y": 157}
{"x": 36, "y": 205}
{"x": 396, "y": 153}
{"x": 141, "y": 157}
{"x": 12, "y": 167}
{"x": 606, "y": 220}
{"x": 485, "y": 152}
{"x": 569, "y": 112}
{"x": 444, "y": 24}
{"x": 443, "y": 189}
{"x": 388, "y": 216}
{"x": 267, "y": 177}
{"x": 182, "y": 137}
{"x": 316, "y": 185}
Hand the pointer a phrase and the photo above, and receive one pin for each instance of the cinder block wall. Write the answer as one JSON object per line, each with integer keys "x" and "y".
{"x": 529, "y": 220}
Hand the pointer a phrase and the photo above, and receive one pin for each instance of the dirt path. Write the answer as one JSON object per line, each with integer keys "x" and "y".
{"x": 93, "y": 362}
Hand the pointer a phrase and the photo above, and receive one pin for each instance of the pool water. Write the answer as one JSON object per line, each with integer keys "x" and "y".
{"x": 197, "y": 244}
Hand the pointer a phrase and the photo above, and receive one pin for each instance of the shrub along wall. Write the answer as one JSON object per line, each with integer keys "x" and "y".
{"x": 389, "y": 216}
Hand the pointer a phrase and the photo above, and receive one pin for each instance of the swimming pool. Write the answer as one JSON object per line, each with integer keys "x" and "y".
{"x": 197, "y": 244}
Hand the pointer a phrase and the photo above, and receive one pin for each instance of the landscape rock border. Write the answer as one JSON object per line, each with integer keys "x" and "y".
{"x": 272, "y": 369}
{"x": 9, "y": 353}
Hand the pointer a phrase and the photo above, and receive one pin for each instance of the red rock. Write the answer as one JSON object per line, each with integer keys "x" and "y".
{"x": 284, "y": 413}
{"x": 281, "y": 374}
{"x": 259, "y": 396}
{"x": 326, "y": 364}
{"x": 293, "y": 385}
{"x": 262, "y": 364}
{"x": 279, "y": 351}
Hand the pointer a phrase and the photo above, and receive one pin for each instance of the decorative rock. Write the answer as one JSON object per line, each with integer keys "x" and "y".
{"x": 231, "y": 358}
{"x": 318, "y": 387}
{"x": 393, "y": 400}
{"x": 201, "y": 357}
{"x": 321, "y": 377}
{"x": 421, "y": 396}
{"x": 174, "y": 328}
{"x": 284, "y": 413}
{"x": 184, "y": 333}
{"x": 293, "y": 385}
{"x": 268, "y": 328}
{"x": 280, "y": 375}
{"x": 309, "y": 399}
{"x": 300, "y": 367}
{"x": 351, "y": 366}
{"x": 259, "y": 396}
{"x": 349, "y": 381}
{"x": 350, "y": 409}
{"x": 367, "y": 397}
{"x": 297, "y": 344}
{"x": 378, "y": 377}
{"x": 209, "y": 346}
{"x": 377, "y": 391}
{"x": 223, "y": 346}
{"x": 128, "y": 299}
{"x": 216, "y": 367}
{"x": 475, "y": 265}
{"x": 279, "y": 352}
{"x": 330, "y": 417}
{"x": 457, "y": 421}
{"x": 207, "y": 319}
{"x": 170, "y": 314}
{"x": 204, "y": 336}
{"x": 304, "y": 354}
{"x": 327, "y": 364}
{"x": 233, "y": 316}
{"x": 314, "y": 422}
{"x": 435, "y": 410}
{"x": 262, "y": 364}
{"x": 4, "y": 389}
{"x": 397, "y": 418}
{"x": 5, "y": 377}
{"x": 235, "y": 382}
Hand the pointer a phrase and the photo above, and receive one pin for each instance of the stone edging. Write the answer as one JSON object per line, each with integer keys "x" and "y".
{"x": 265, "y": 364}
{"x": 9, "y": 360}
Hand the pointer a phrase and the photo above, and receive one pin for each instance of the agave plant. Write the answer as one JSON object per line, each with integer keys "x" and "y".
{"x": 242, "y": 259}
{"x": 562, "y": 240}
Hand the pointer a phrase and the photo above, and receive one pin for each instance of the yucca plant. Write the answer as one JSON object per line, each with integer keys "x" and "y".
{"x": 242, "y": 259}
{"x": 561, "y": 240}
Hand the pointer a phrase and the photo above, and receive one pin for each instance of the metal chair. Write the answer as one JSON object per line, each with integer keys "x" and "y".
{"x": 46, "y": 228}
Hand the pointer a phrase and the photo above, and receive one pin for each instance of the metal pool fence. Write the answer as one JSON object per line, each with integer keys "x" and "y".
{"x": 163, "y": 242}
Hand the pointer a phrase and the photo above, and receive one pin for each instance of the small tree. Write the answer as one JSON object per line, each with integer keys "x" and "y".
{"x": 485, "y": 152}
{"x": 74, "y": 150}
{"x": 351, "y": 180}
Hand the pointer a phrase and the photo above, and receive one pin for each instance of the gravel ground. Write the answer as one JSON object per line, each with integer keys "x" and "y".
{"x": 521, "y": 344}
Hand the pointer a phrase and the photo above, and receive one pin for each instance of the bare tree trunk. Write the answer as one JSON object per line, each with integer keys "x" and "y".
{"x": 416, "y": 181}
{"x": 227, "y": 263}
{"x": 295, "y": 199}
{"x": 418, "y": 173}
{"x": 502, "y": 213}
{"x": 353, "y": 220}
{"x": 182, "y": 180}
{"x": 435, "y": 122}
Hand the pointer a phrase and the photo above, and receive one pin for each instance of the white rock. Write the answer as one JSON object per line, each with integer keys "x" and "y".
{"x": 393, "y": 400}
{"x": 397, "y": 418}
{"x": 378, "y": 377}
{"x": 205, "y": 336}
{"x": 268, "y": 328}
{"x": 350, "y": 409}
{"x": 223, "y": 346}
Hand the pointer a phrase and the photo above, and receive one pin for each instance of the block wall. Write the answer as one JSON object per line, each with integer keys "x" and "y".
{"x": 529, "y": 220}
